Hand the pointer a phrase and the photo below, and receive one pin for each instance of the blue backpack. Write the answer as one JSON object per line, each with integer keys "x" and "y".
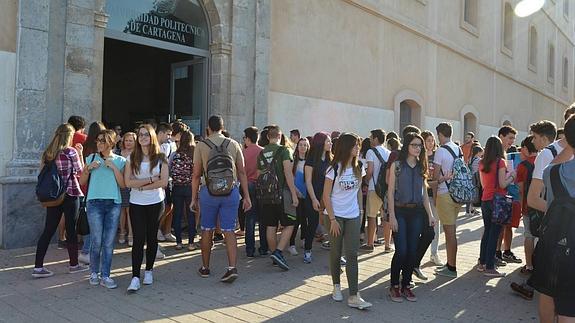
{"x": 461, "y": 187}
{"x": 51, "y": 188}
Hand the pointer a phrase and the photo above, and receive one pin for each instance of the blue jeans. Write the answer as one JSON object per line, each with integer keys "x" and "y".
{"x": 103, "y": 217}
{"x": 490, "y": 236}
{"x": 409, "y": 227}
{"x": 251, "y": 219}
{"x": 222, "y": 208}
{"x": 182, "y": 197}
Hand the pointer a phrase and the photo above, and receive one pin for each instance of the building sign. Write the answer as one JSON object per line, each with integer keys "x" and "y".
{"x": 176, "y": 21}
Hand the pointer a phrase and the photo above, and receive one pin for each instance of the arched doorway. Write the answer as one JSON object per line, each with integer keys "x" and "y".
{"x": 156, "y": 57}
{"x": 409, "y": 114}
{"x": 469, "y": 123}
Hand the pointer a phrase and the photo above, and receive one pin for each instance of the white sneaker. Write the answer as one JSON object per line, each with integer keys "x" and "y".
{"x": 134, "y": 285}
{"x": 161, "y": 236}
{"x": 356, "y": 301}
{"x": 436, "y": 260}
{"x": 336, "y": 294}
{"x": 160, "y": 254}
{"x": 148, "y": 277}
{"x": 84, "y": 258}
{"x": 130, "y": 242}
{"x": 94, "y": 279}
{"x": 293, "y": 251}
{"x": 170, "y": 237}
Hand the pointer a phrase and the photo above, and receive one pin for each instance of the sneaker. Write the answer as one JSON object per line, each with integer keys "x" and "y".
{"x": 342, "y": 261}
{"x": 218, "y": 237}
{"x": 263, "y": 253}
{"x": 148, "y": 277}
{"x": 130, "y": 242}
{"x": 78, "y": 269}
{"x": 122, "y": 239}
{"x": 161, "y": 237}
{"x": 510, "y": 257}
{"x": 84, "y": 258}
{"x": 134, "y": 285}
{"x": 292, "y": 250}
{"x": 192, "y": 247}
{"x": 307, "y": 257}
{"x": 436, "y": 260}
{"x": 499, "y": 262}
{"x": 356, "y": 301}
{"x": 160, "y": 254}
{"x": 366, "y": 248}
{"x": 379, "y": 242}
{"x": 419, "y": 274}
{"x": 480, "y": 268}
{"x": 395, "y": 294}
{"x": 170, "y": 237}
{"x": 526, "y": 271}
{"x": 325, "y": 245}
{"x": 62, "y": 244}
{"x": 388, "y": 250}
{"x": 523, "y": 290}
{"x": 41, "y": 273}
{"x": 94, "y": 279}
{"x": 336, "y": 295}
{"x": 446, "y": 272}
{"x": 108, "y": 282}
{"x": 230, "y": 275}
{"x": 204, "y": 272}
{"x": 492, "y": 273}
{"x": 468, "y": 214}
{"x": 179, "y": 246}
{"x": 408, "y": 294}
{"x": 280, "y": 260}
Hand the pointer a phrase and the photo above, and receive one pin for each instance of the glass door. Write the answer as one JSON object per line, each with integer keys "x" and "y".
{"x": 188, "y": 94}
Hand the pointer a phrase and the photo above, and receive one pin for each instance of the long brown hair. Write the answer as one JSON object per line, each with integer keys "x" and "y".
{"x": 187, "y": 143}
{"x": 154, "y": 153}
{"x": 110, "y": 137}
{"x": 296, "y": 160}
{"x": 421, "y": 159}
{"x": 343, "y": 154}
{"x": 61, "y": 140}
{"x": 493, "y": 152}
{"x": 90, "y": 143}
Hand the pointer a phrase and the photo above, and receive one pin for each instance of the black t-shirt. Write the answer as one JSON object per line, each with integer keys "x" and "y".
{"x": 318, "y": 175}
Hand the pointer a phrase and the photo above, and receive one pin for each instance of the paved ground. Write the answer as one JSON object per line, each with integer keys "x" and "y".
{"x": 261, "y": 293}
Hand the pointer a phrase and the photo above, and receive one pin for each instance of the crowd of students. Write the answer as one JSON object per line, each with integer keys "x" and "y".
{"x": 332, "y": 187}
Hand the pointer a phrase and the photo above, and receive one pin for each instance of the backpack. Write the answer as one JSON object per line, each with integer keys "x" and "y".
{"x": 529, "y": 167}
{"x": 50, "y": 188}
{"x": 476, "y": 182}
{"x": 461, "y": 188}
{"x": 381, "y": 183}
{"x": 268, "y": 190}
{"x": 554, "y": 254}
{"x": 220, "y": 169}
{"x": 536, "y": 216}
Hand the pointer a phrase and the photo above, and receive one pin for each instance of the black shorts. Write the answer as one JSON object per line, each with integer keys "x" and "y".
{"x": 272, "y": 214}
{"x": 565, "y": 306}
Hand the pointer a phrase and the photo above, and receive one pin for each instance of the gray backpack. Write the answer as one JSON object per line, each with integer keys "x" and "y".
{"x": 219, "y": 169}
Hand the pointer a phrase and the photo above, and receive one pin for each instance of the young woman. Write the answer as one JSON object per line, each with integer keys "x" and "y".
{"x": 299, "y": 157}
{"x": 365, "y": 147}
{"x": 492, "y": 173}
{"x": 69, "y": 163}
{"x": 127, "y": 145}
{"x": 181, "y": 167}
{"x": 430, "y": 147}
{"x": 316, "y": 164}
{"x": 476, "y": 154}
{"x": 103, "y": 174}
{"x": 409, "y": 211}
{"x": 343, "y": 202}
{"x": 146, "y": 173}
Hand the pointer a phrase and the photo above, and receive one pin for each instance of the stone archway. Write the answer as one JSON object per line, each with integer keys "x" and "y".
{"x": 409, "y": 105}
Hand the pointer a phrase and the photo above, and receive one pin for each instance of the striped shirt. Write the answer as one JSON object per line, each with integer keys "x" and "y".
{"x": 70, "y": 167}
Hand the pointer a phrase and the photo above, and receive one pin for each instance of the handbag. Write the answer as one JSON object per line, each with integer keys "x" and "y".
{"x": 82, "y": 225}
{"x": 502, "y": 204}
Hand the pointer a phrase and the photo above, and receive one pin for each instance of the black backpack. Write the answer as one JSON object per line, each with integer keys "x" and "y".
{"x": 50, "y": 188}
{"x": 530, "y": 167}
{"x": 536, "y": 216}
{"x": 554, "y": 255}
{"x": 381, "y": 183}
{"x": 268, "y": 190}
{"x": 219, "y": 169}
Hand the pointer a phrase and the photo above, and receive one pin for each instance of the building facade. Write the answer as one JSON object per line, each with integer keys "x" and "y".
{"x": 350, "y": 65}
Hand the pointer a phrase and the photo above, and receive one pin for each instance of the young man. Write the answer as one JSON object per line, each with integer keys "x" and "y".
{"x": 251, "y": 152}
{"x": 467, "y": 145}
{"x": 79, "y": 125}
{"x": 447, "y": 209}
{"x": 294, "y": 136}
{"x": 167, "y": 147}
{"x": 374, "y": 157}
{"x": 223, "y": 208}
{"x": 284, "y": 212}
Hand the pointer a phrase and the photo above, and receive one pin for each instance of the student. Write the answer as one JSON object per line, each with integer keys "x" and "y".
{"x": 277, "y": 158}
{"x": 524, "y": 177}
{"x": 167, "y": 147}
{"x": 294, "y": 136}
{"x": 79, "y": 124}
{"x": 467, "y": 146}
{"x": 104, "y": 176}
{"x": 219, "y": 207}
{"x": 69, "y": 163}
{"x": 409, "y": 210}
{"x": 492, "y": 172}
{"x": 127, "y": 145}
{"x": 146, "y": 173}
{"x": 343, "y": 199}
{"x": 299, "y": 157}
{"x": 473, "y": 164}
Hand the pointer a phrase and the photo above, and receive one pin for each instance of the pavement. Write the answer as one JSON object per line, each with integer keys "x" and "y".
{"x": 262, "y": 292}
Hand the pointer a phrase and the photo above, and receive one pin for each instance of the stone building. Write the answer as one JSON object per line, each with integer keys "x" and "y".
{"x": 315, "y": 65}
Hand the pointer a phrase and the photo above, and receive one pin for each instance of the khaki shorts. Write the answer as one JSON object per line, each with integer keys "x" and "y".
{"x": 447, "y": 209}
{"x": 374, "y": 204}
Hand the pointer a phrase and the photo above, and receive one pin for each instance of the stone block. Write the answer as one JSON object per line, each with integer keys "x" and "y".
{"x": 79, "y": 60}
{"x": 79, "y": 35}
{"x": 23, "y": 216}
{"x": 87, "y": 4}
{"x": 35, "y": 14}
{"x": 31, "y": 134}
{"x": 33, "y": 59}
{"x": 80, "y": 16}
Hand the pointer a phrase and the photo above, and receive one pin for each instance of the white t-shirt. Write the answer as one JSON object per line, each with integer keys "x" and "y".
{"x": 147, "y": 197}
{"x": 543, "y": 159}
{"x": 444, "y": 158}
{"x": 344, "y": 193}
{"x": 371, "y": 157}
{"x": 168, "y": 148}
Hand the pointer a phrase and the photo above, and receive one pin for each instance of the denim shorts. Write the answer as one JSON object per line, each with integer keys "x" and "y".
{"x": 222, "y": 208}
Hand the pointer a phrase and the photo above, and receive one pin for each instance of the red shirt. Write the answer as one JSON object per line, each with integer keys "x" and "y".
{"x": 489, "y": 180}
{"x": 251, "y": 160}
{"x": 79, "y": 138}
{"x": 522, "y": 178}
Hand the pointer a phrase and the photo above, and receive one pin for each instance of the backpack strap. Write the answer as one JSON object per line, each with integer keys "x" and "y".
{"x": 559, "y": 190}
{"x": 274, "y": 156}
{"x": 446, "y": 147}
{"x": 209, "y": 143}
{"x": 381, "y": 161}
{"x": 335, "y": 167}
{"x": 552, "y": 149}
{"x": 225, "y": 143}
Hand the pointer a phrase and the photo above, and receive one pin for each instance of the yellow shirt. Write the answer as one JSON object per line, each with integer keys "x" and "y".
{"x": 202, "y": 152}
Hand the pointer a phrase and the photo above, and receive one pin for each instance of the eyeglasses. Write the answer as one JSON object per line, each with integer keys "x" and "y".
{"x": 100, "y": 141}
{"x": 420, "y": 146}
{"x": 144, "y": 134}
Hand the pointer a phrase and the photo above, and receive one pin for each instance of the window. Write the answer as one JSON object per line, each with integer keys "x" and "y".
{"x": 469, "y": 16}
{"x": 409, "y": 114}
{"x": 469, "y": 123}
{"x": 565, "y": 76}
{"x": 532, "y": 62}
{"x": 551, "y": 63}
{"x": 507, "y": 38}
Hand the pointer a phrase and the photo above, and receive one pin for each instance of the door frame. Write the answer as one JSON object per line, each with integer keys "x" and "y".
{"x": 206, "y": 101}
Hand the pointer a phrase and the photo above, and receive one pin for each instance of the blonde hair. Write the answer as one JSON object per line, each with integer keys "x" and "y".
{"x": 128, "y": 134}
{"x": 154, "y": 153}
{"x": 62, "y": 139}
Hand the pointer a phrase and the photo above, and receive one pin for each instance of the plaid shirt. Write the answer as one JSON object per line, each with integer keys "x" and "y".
{"x": 70, "y": 167}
